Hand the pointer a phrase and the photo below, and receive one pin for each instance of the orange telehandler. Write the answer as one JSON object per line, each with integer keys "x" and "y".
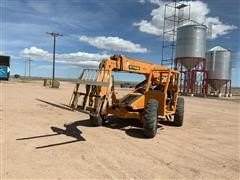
{"x": 156, "y": 96}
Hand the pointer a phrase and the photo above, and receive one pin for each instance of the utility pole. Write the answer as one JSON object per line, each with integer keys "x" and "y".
{"x": 25, "y": 70}
{"x": 54, "y": 35}
{"x": 29, "y": 66}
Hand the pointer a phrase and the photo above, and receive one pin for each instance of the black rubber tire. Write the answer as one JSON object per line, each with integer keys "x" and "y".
{"x": 178, "y": 117}
{"x": 150, "y": 119}
{"x": 96, "y": 120}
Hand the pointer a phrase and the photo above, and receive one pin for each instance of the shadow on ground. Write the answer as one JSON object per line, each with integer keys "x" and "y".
{"x": 70, "y": 130}
{"x": 62, "y": 106}
{"x": 131, "y": 127}
{"x": 166, "y": 122}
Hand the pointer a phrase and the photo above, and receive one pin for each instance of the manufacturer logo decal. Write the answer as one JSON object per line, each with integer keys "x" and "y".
{"x": 133, "y": 67}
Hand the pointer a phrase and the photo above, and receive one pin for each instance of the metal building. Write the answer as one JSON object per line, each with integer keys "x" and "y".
{"x": 219, "y": 70}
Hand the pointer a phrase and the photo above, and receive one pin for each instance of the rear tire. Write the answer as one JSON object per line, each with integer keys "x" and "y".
{"x": 179, "y": 114}
{"x": 96, "y": 120}
{"x": 150, "y": 119}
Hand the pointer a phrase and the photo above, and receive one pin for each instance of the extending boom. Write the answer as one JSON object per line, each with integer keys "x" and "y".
{"x": 124, "y": 64}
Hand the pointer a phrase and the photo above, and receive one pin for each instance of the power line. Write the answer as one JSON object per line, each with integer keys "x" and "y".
{"x": 54, "y": 35}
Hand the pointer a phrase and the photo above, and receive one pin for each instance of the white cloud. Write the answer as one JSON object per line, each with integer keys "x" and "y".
{"x": 44, "y": 67}
{"x": 218, "y": 28}
{"x": 158, "y": 2}
{"x": 64, "y": 67}
{"x": 199, "y": 13}
{"x": 35, "y": 52}
{"x": 88, "y": 63}
{"x": 78, "y": 58}
{"x": 148, "y": 27}
{"x": 142, "y": 1}
{"x": 113, "y": 43}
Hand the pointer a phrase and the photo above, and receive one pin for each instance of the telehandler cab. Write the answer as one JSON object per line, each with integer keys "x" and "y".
{"x": 156, "y": 96}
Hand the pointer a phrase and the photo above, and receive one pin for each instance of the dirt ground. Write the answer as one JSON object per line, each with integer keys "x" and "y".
{"x": 206, "y": 147}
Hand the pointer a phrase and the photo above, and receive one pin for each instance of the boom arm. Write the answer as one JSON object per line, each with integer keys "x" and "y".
{"x": 120, "y": 63}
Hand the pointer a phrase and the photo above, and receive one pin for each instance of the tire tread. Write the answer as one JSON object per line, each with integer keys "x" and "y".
{"x": 150, "y": 118}
{"x": 179, "y": 115}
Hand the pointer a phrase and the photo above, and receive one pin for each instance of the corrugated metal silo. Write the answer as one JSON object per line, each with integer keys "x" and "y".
{"x": 191, "y": 44}
{"x": 218, "y": 66}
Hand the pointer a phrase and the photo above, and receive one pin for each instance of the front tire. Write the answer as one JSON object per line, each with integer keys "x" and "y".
{"x": 179, "y": 114}
{"x": 150, "y": 119}
{"x": 96, "y": 120}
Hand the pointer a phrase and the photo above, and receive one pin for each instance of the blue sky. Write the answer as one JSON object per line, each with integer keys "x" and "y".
{"x": 95, "y": 29}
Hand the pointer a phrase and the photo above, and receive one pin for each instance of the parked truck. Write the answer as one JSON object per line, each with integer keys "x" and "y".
{"x": 4, "y": 67}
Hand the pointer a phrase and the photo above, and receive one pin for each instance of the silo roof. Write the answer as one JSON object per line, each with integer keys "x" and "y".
{"x": 218, "y": 48}
{"x": 192, "y": 23}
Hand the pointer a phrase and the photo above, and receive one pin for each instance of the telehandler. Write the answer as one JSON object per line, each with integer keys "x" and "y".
{"x": 156, "y": 96}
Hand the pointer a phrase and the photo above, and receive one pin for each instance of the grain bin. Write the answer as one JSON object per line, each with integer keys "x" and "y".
{"x": 218, "y": 66}
{"x": 191, "y": 44}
